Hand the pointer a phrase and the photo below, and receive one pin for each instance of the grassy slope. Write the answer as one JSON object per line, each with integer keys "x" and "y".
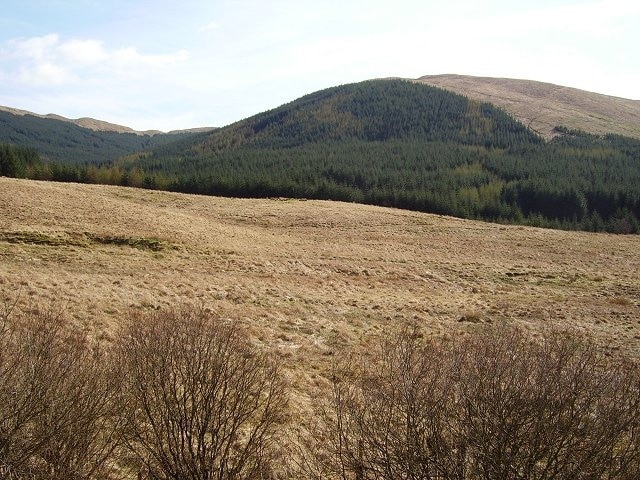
{"x": 307, "y": 277}
{"x": 544, "y": 105}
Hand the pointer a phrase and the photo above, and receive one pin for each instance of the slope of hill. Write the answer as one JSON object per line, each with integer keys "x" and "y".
{"x": 376, "y": 111}
{"x": 402, "y": 144}
{"x": 67, "y": 142}
{"x": 84, "y": 122}
{"x": 543, "y": 106}
{"x": 310, "y": 282}
{"x": 306, "y": 277}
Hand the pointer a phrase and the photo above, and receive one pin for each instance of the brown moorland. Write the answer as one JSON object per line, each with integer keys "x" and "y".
{"x": 543, "y": 106}
{"x": 307, "y": 278}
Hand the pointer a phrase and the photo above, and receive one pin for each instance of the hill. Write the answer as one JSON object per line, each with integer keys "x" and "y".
{"x": 84, "y": 122}
{"x": 306, "y": 277}
{"x": 543, "y": 106}
{"x": 385, "y": 142}
{"x": 408, "y": 145}
{"x": 66, "y": 142}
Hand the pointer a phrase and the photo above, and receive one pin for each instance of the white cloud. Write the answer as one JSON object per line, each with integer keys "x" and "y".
{"x": 211, "y": 27}
{"x": 50, "y": 61}
{"x": 84, "y": 52}
{"x": 131, "y": 58}
{"x": 46, "y": 74}
{"x": 36, "y": 49}
{"x": 86, "y": 77}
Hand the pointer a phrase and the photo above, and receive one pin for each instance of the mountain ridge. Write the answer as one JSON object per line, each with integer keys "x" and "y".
{"x": 540, "y": 105}
{"x": 85, "y": 122}
{"x": 543, "y": 106}
{"x": 68, "y": 142}
{"x": 101, "y": 125}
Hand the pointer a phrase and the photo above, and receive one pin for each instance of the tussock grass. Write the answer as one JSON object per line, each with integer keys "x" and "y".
{"x": 85, "y": 240}
{"x": 142, "y": 243}
{"x": 320, "y": 274}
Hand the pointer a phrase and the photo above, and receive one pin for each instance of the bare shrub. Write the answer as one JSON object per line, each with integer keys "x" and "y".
{"x": 498, "y": 404}
{"x": 387, "y": 417}
{"x": 57, "y": 417}
{"x": 550, "y": 408}
{"x": 201, "y": 402}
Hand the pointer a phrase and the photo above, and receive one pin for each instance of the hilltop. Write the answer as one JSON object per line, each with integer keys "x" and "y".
{"x": 539, "y": 105}
{"x": 543, "y": 106}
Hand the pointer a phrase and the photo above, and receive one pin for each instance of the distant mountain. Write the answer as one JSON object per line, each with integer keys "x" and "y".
{"x": 85, "y": 122}
{"x": 543, "y": 106}
{"x": 76, "y": 141}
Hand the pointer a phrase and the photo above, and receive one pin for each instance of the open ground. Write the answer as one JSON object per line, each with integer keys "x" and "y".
{"x": 307, "y": 278}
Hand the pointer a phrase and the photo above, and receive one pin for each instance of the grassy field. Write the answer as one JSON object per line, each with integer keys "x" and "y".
{"x": 306, "y": 277}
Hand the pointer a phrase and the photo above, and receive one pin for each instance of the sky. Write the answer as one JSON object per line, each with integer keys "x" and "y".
{"x": 166, "y": 65}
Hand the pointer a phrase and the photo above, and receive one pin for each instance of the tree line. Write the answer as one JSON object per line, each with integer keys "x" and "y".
{"x": 184, "y": 394}
{"x": 552, "y": 187}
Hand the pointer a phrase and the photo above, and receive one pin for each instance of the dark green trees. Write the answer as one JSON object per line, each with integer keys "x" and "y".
{"x": 17, "y": 161}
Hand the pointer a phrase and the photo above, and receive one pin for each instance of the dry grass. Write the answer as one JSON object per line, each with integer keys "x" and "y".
{"x": 543, "y": 106}
{"x": 307, "y": 277}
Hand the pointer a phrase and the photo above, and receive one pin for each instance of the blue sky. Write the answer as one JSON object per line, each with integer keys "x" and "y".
{"x": 179, "y": 64}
